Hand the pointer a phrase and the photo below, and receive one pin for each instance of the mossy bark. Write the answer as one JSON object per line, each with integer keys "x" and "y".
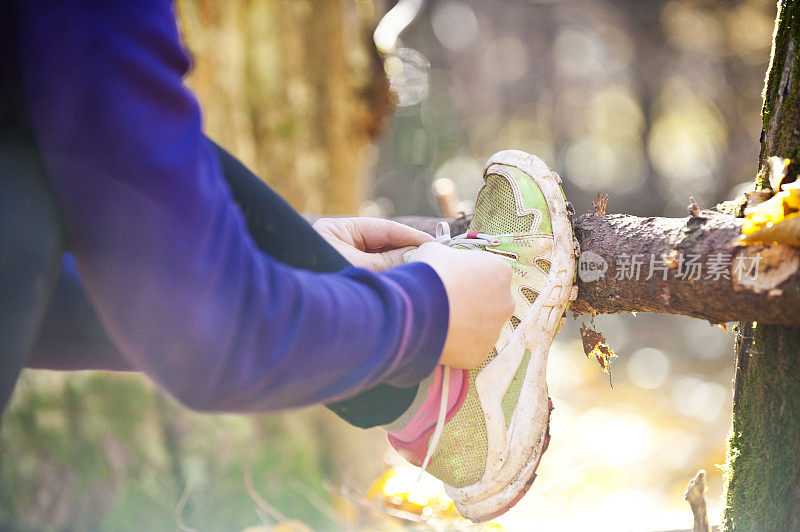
{"x": 763, "y": 491}
{"x": 763, "y": 469}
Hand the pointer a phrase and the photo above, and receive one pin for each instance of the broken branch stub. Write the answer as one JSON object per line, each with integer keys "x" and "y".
{"x": 696, "y": 496}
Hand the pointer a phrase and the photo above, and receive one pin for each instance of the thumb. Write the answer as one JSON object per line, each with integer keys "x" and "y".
{"x": 394, "y": 257}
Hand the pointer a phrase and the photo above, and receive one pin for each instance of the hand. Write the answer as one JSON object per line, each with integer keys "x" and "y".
{"x": 372, "y": 243}
{"x": 478, "y": 289}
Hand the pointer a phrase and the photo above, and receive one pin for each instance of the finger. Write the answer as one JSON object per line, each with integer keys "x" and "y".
{"x": 377, "y": 234}
{"x": 339, "y": 229}
{"x": 393, "y": 258}
{"x": 428, "y": 250}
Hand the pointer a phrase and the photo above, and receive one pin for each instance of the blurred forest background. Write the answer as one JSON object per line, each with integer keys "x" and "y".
{"x": 649, "y": 101}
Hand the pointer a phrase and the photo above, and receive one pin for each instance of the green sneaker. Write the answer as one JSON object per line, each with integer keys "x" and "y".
{"x": 483, "y": 431}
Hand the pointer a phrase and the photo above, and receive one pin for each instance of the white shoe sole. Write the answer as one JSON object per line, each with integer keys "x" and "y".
{"x": 510, "y": 471}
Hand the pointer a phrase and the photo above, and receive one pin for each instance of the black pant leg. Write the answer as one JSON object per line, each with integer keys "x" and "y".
{"x": 285, "y": 235}
{"x": 31, "y": 244}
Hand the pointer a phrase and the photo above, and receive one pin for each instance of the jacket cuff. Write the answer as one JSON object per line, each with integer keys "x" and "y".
{"x": 425, "y": 329}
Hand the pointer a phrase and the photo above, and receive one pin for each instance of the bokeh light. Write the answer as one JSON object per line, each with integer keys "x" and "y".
{"x": 507, "y": 59}
{"x": 698, "y": 398}
{"x": 618, "y": 438}
{"x": 688, "y": 27}
{"x": 408, "y": 76}
{"x": 454, "y": 24}
{"x": 577, "y": 52}
{"x": 687, "y": 139}
{"x": 465, "y": 173}
{"x": 648, "y": 368}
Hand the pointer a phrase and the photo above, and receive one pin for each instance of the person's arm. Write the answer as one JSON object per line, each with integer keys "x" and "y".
{"x": 71, "y": 336}
{"x": 162, "y": 249}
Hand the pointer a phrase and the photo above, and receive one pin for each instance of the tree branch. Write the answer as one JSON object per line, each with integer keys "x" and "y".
{"x": 696, "y": 495}
{"x": 677, "y": 246}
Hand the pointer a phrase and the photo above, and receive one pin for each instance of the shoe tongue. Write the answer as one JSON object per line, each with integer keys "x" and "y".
{"x": 496, "y": 211}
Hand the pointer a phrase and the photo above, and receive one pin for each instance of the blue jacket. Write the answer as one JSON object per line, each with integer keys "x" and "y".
{"x": 161, "y": 248}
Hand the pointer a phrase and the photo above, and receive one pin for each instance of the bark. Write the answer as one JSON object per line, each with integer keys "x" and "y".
{"x": 686, "y": 266}
{"x": 295, "y": 89}
{"x": 763, "y": 480}
{"x": 763, "y": 471}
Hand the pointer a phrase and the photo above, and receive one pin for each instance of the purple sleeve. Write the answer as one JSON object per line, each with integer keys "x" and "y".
{"x": 163, "y": 251}
{"x": 70, "y": 336}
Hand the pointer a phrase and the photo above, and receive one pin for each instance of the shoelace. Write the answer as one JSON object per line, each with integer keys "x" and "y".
{"x": 469, "y": 240}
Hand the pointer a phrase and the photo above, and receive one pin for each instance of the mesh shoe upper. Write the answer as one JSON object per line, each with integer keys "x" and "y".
{"x": 511, "y": 206}
{"x": 523, "y": 222}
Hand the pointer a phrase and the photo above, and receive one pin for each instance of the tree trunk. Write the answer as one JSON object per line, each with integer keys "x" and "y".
{"x": 763, "y": 470}
{"x": 293, "y": 88}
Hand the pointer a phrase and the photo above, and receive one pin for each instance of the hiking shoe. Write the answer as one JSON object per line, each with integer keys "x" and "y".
{"x": 483, "y": 431}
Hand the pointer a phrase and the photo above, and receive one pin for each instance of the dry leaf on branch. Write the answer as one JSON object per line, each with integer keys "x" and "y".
{"x": 600, "y": 205}
{"x": 594, "y": 345}
{"x": 778, "y": 218}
